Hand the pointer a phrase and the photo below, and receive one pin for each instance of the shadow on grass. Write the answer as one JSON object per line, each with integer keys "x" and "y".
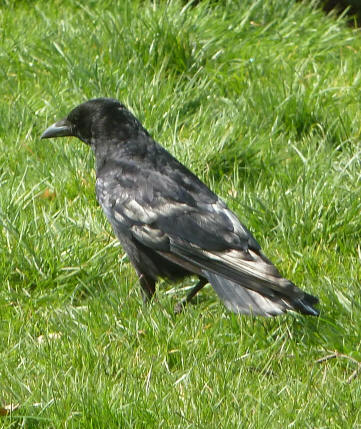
{"x": 351, "y": 7}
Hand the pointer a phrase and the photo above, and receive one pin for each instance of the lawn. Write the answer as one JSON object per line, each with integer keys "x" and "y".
{"x": 261, "y": 99}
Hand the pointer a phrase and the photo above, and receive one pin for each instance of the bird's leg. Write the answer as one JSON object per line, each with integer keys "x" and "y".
{"x": 148, "y": 287}
{"x": 179, "y": 307}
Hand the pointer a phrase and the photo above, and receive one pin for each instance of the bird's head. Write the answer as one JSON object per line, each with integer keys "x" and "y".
{"x": 100, "y": 118}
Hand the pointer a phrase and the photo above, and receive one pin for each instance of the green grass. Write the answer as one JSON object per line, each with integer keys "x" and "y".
{"x": 261, "y": 99}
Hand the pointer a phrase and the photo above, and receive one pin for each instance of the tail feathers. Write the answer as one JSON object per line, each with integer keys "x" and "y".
{"x": 238, "y": 299}
{"x": 305, "y": 305}
{"x": 245, "y": 301}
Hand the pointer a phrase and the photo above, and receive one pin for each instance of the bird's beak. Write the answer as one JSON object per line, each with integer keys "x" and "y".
{"x": 59, "y": 129}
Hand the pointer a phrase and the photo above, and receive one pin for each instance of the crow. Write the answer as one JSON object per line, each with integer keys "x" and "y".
{"x": 170, "y": 224}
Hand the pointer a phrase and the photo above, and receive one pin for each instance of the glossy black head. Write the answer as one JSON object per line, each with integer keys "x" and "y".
{"x": 102, "y": 118}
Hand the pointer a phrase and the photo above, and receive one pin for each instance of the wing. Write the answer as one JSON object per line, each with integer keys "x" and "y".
{"x": 168, "y": 209}
{"x": 170, "y": 203}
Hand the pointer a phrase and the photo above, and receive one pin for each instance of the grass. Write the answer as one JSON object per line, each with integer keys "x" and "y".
{"x": 261, "y": 100}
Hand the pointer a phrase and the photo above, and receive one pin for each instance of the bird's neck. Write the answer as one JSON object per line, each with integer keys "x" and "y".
{"x": 100, "y": 153}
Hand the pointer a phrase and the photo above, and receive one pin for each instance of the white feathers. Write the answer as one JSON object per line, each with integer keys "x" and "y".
{"x": 135, "y": 211}
{"x": 151, "y": 236}
{"x": 220, "y": 207}
{"x": 255, "y": 266}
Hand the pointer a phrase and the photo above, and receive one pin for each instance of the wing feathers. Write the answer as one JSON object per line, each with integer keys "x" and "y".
{"x": 248, "y": 273}
{"x": 248, "y": 286}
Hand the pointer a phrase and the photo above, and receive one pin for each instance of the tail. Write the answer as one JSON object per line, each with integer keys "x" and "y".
{"x": 246, "y": 301}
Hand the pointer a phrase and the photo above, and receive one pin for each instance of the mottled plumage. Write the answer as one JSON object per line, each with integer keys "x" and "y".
{"x": 170, "y": 223}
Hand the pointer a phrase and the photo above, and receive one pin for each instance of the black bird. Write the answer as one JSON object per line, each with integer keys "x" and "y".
{"x": 170, "y": 223}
